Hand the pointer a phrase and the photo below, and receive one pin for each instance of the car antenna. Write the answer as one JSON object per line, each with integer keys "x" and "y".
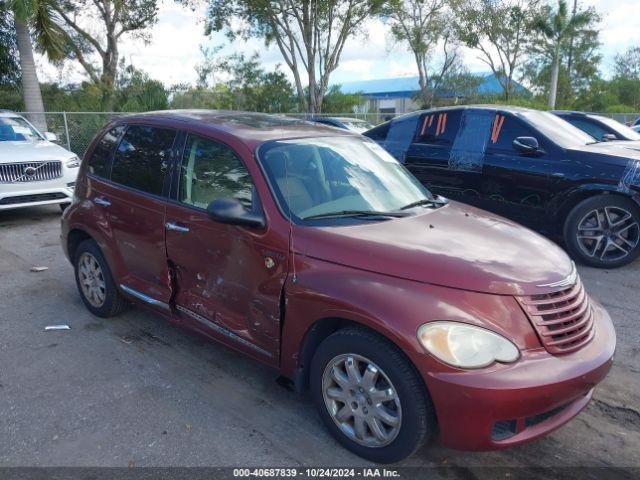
{"x": 294, "y": 277}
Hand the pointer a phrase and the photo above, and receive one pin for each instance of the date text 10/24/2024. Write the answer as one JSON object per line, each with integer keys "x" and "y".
{"x": 317, "y": 472}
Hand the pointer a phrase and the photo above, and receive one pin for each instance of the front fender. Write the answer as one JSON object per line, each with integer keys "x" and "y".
{"x": 391, "y": 306}
{"x": 572, "y": 197}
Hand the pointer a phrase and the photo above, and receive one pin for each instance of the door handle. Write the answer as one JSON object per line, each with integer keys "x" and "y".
{"x": 102, "y": 201}
{"x": 175, "y": 228}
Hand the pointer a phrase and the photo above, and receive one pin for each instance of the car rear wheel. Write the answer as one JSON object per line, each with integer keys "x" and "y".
{"x": 95, "y": 282}
{"x": 370, "y": 397}
{"x": 604, "y": 231}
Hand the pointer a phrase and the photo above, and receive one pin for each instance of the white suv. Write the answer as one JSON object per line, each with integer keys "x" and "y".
{"x": 33, "y": 170}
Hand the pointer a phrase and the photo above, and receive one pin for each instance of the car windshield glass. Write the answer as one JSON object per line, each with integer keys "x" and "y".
{"x": 619, "y": 128}
{"x": 16, "y": 129}
{"x": 340, "y": 177}
{"x": 558, "y": 130}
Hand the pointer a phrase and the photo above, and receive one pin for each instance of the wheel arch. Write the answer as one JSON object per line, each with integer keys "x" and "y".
{"x": 321, "y": 329}
{"x": 74, "y": 238}
{"x": 576, "y": 196}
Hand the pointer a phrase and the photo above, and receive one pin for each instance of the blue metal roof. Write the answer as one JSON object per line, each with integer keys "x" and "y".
{"x": 407, "y": 86}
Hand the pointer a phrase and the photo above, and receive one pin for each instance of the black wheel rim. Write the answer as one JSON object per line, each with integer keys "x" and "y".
{"x": 608, "y": 234}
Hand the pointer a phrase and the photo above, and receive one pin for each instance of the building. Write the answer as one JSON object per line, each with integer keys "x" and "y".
{"x": 398, "y": 95}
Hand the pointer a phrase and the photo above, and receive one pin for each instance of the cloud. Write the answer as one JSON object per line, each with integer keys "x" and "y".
{"x": 175, "y": 40}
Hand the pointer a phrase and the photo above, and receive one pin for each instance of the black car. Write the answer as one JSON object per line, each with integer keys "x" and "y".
{"x": 601, "y": 128}
{"x": 354, "y": 124}
{"x": 530, "y": 166}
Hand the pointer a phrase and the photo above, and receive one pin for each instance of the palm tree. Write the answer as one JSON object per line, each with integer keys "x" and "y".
{"x": 556, "y": 28}
{"x": 35, "y": 18}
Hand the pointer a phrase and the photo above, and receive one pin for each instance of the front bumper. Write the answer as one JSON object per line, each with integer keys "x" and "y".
{"x": 59, "y": 190}
{"x": 507, "y": 405}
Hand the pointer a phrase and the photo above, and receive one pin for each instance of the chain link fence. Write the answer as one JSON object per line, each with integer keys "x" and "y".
{"x": 75, "y": 130}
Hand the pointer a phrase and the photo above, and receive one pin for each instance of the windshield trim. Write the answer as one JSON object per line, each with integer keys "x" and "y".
{"x": 291, "y": 217}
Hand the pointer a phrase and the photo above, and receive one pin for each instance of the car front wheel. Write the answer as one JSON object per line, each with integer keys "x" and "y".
{"x": 370, "y": 397}
{"x": 604, "y": 231}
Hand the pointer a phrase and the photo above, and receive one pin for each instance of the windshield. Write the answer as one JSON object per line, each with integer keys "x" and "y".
{"x": 619, "y": 128}
{"x": 556, "y": 129}
{"x": 16, "y": 129}
{"x": 313, "y": 177}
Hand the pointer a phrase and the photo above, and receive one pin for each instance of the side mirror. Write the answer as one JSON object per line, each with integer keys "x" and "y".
{"x": 231, "y": 211}
{"x": 609, "y": 137}
{"x": 528, "y": 145}
{"x": 52, "y": 137}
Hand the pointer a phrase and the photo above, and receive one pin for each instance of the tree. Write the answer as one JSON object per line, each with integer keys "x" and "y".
{"x": 501, "y": 31}
{"x": 557, "y": 28}
{"x": 9, "y": 67}
{"x": 115, "y": 19}
{"x": 244, "y": 84}
{"x": 136, "y": 92}
{"x": 337, "y": 102}
{"x": 35, "y": 18}
{"x": 627, "y": 64}
{"x": 422, "y": 24}
{"x": 626, "y": 81}
{"x": 310, "y": 34}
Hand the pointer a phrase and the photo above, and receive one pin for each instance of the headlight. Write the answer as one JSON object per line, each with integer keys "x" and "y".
{"x": 73, "y": 162}
{"x": 466, "y": 346}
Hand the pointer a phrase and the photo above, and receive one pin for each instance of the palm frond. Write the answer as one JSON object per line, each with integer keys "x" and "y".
{"x": 49, "y": 34}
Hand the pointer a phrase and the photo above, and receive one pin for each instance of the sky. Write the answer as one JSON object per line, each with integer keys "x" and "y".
{"x": 175, "y": 41}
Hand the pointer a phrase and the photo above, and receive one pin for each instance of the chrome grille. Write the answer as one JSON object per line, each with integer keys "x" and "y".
{"x": 30, "y": 171}
{"x": 562, "y": 319}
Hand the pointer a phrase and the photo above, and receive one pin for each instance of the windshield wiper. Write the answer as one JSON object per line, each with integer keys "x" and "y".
{"x": 425, "y": 201}
{"x": 355, "y": 213}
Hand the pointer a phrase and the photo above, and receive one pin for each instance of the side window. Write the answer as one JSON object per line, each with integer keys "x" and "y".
{"x": 379, "y": 134}
{"x": 504, "y": 130}
{"x": 143, "y": 157}
{"x": 596, "y": 131}
{"x": 211, "y": 170}
{"x": 439, "y": 128}
{"x": 100, "y": 161}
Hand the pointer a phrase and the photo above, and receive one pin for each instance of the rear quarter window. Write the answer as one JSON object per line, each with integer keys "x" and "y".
{"x": 142, "y": 158}
{"x": 379, "y": 133}
{"x": 100, "y": 160}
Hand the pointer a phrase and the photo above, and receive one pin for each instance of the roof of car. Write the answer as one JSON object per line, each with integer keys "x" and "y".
{"x": 251, "y": 128}
{"x": 575, "y": 112}
{"x": 341, "y": 119}
{"x": 8, "y": 113}
{"x": 503, "y": 108}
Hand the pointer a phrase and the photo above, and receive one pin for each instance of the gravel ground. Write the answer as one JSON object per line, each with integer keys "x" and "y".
{"x": 137, "y": 391}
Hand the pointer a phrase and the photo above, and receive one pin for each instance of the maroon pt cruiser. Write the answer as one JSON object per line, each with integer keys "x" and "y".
{"x": 312, "y": 250}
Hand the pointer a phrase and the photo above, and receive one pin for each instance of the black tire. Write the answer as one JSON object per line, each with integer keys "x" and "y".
{"x": 418, "y": 421}
{"x": 64, "y": 206}
{"x": 584, "y": 251}
{"x": 114, "y": 303}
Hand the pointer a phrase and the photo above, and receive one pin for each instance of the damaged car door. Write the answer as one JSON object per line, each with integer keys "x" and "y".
{"x": 133, "y": 202}
{"x": 228, "y": 277}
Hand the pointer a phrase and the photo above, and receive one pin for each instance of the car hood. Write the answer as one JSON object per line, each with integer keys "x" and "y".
{"x": 454, "y": 246}
{"x": 616, "y": 153}
{"x": 32, "y": 152}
